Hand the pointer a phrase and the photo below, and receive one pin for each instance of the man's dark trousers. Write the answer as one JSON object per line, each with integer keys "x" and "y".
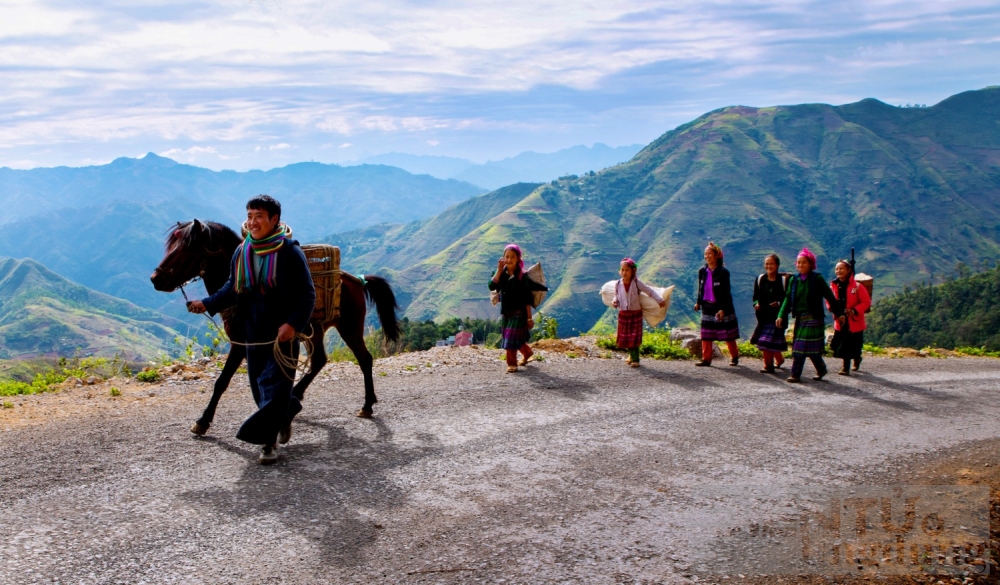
{"x": 272, "y": 389}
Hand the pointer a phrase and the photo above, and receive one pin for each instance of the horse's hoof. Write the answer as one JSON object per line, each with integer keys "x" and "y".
{"x": 198, "y": 429}
{"x": 363, "y": 413}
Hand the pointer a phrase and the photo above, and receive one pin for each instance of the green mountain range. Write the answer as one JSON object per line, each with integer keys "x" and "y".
{"x": 44, "y": 313}
{"x": 103, "y": 226}
{"x": 914, "y": 190}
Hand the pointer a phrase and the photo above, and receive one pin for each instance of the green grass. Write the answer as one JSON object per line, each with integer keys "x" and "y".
{"x": 977, "y": 352}
{"x": 114, "y": 392}
{"x": 749, "y": 350}
{"x": 656, "y": 344}
{"x": 43, "y": 382}
{"x": 873, "y": 349}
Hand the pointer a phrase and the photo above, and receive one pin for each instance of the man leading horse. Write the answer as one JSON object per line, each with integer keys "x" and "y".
{"x": 272, "y": 288}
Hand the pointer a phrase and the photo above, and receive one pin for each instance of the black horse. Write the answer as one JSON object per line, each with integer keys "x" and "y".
{"x": 205, "y": 249}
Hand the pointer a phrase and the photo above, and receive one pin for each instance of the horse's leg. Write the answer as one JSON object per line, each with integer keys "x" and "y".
{"x": 233, "y": 361}
{"x": 354, "y": 336}
{"x": 316, "y": 362}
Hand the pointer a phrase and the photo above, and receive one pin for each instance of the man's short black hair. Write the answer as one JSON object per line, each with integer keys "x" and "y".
{"x": 266, "y": 203}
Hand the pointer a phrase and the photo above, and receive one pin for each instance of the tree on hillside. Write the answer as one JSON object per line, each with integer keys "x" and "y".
{"x": 961, "y": 312}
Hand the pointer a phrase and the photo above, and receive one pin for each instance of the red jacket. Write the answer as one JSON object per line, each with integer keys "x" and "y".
{"x": 858, "y": 299}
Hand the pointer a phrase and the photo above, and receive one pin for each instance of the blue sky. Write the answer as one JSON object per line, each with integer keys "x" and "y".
{"x": 262, "y": 83}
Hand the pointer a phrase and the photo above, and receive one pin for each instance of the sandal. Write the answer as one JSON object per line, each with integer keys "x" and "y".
{"x": 634, "y": 364}
{"x": 527, "y": 360}
{"x": 511, "y": 369}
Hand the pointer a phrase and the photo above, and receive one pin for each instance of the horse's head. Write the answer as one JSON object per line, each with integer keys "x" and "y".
{"x": 189, "y": 249}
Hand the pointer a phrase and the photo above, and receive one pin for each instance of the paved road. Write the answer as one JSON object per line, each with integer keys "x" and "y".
{"x": 577, "y": 470}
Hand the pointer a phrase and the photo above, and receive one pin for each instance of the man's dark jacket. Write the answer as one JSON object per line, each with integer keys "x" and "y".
{"x": 291, "y": 300}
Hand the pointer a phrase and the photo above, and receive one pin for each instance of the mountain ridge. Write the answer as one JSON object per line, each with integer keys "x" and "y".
{"x": 42, "y": 312}
{"x": 910, "y": 188}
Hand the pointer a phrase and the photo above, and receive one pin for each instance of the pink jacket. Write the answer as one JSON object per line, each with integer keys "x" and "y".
{"x": 858, "y": 299}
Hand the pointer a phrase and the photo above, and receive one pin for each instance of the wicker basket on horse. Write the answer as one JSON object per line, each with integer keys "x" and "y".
{"x": 324, "y": 264}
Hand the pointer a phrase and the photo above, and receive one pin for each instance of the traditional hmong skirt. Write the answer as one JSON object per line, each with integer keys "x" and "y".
{"x": 847, "y": 345}
{"x": 514, "y": 328}
{"x": 629, "y": 329}
{"x": 809, "y": 337}
{"x": 712, "y": 329}
{"x": 767, "y": 337}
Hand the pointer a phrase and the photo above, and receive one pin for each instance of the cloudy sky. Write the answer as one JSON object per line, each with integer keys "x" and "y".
{"x": 262, "y": 83}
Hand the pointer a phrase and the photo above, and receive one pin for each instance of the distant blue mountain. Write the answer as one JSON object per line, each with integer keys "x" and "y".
{"x": 527, "y": 167}
{"x": 103, "y": 226}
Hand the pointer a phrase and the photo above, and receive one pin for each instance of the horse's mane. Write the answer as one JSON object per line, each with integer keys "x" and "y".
{"x": 219, "y": 236}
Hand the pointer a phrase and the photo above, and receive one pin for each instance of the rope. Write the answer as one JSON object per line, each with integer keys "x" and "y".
{"x": 287, "y": 362}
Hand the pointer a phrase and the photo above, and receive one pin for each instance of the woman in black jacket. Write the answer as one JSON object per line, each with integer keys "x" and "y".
{"x": 515, "y": 305}
{"x": 715, "y": 301}
{"x": 768, "y": 294}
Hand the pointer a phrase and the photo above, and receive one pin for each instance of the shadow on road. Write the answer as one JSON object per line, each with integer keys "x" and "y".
{"x": 319, "y": 497}
{"x": 573, "y": 389}
{"x": 832, "y": 387}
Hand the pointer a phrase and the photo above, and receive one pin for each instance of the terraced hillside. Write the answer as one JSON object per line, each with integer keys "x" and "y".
{"x": 913, "y": 189}
{"x": 43, "y": 313}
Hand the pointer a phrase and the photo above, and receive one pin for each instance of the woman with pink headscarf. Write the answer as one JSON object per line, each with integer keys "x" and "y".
{"x": 515, "y": 306}
{"x": 804, "y": 300}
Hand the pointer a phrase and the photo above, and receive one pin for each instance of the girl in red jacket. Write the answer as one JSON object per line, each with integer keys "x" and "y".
{"x": 854, "y": 300}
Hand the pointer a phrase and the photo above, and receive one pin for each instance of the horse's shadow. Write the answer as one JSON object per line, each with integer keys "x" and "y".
{"x": 320, "y": 495}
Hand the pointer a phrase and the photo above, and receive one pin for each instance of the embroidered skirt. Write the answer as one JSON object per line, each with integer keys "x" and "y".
{"x": 712, "y": 329}
{"x": 847, "y": 345}
{"x": 629, "y": 329}
{"x": 767, "y": 337}
{"x": 809, "y": 337}
{"x": 514, "y": 329}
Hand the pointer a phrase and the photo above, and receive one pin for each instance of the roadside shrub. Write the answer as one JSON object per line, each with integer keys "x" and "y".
{"x": 873, "y": 349}
{"x": 655, "y": 344}
{"x": 42, "y": 382}
{"x": 977, "y": 352}
{"x": 115, "y": 391}
{"x": 749, "y": 350}
{"x": 545, "y": 327}
{"x": 148, "y": 376}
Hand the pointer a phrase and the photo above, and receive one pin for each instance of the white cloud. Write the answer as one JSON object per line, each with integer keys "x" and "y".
{"x": 249, "y": 74}
{"x": 195, "y": 154}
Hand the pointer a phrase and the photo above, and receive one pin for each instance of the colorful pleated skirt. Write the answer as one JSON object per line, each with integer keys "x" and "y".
{"x": 809, "y": 337}
{"x": 514, "y": 329}
{"x": 712, "y": 329}
{"x": 767, "y": 337}
{"x": 629, "y": 329}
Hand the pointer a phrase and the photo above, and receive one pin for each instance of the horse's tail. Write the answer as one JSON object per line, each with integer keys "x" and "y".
{"x": 378, "y": 291}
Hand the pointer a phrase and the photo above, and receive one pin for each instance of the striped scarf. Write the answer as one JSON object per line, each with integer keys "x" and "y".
{"x": 267, "y": 249}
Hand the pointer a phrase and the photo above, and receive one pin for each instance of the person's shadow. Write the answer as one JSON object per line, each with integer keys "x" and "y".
{"x": 316, "y": 490}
